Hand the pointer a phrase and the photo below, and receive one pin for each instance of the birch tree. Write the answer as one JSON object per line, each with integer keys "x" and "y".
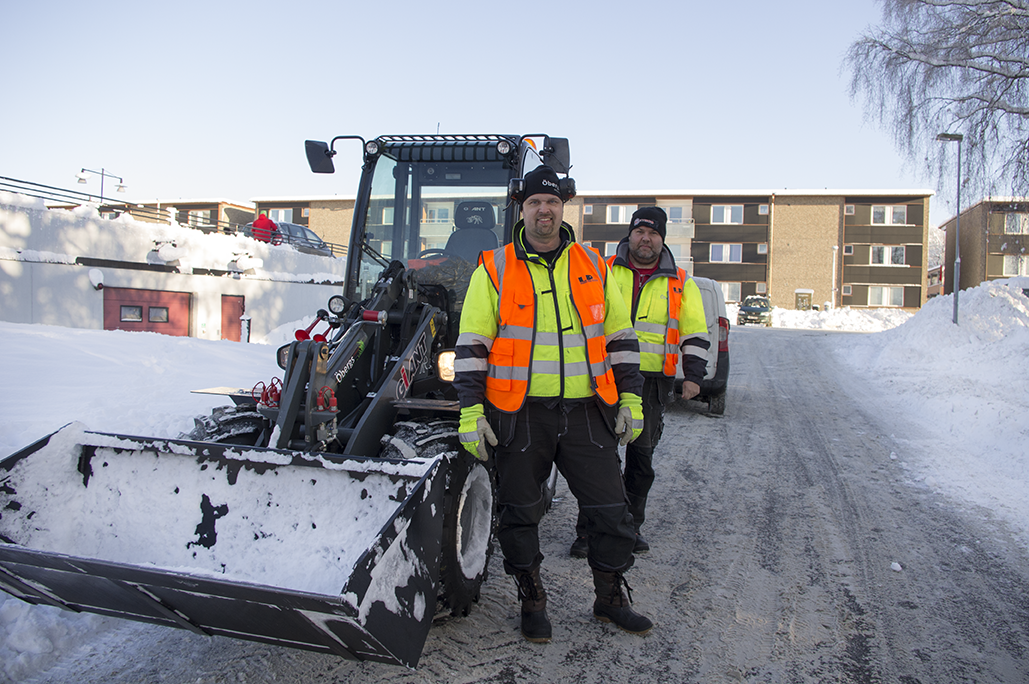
{"x": 954, "y": 66}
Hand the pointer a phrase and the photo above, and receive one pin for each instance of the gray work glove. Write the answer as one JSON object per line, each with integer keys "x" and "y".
{"x": 473, "y": 428}
{"x": 623, "y": 425}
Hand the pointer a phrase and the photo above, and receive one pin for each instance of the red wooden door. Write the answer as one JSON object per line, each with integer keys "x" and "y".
{"x": 233, "y": 307}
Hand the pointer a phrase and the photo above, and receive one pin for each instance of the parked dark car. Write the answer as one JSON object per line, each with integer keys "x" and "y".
{"x": 755, "y": 309}
{"x": 301, "y": 237}
{"x": 712, "y": 388}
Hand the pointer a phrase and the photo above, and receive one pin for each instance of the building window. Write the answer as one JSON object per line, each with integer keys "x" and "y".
{"x": 131, "y": 314}
{"x": 888, "y": 255}
{"x": 730, "y": 291}
{"x": 435, "y": 212}
{"x": 281, "y": 215}
{"x": 676, "y": 214}
{"x": 762, "y": 248}
{"x": 762, "y": 209}
{"x": 723, "y": 253}
{"x": 1016, "y": 265}
{"x": 587, "y": 209}
{"x": 847, "y": 290}
{"x": 726, "y": 213}
{"x": 610, "y": 248}
{"x": 890, "y": 215}
{"x": 1016, "y": 224}
{"x": 848, "y": 209}
{"x": 306, "y": 212}
{"x": 157, "y": 314}
{"x": 848, "y": 250}
{"x": 885, "y": 296}
{"x": 198, "y": 217}
{"x": 762, "y": 288}
{"x": 620, "y": 213}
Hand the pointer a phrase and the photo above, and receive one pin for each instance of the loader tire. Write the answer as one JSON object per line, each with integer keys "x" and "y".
{"x": 469, "y": 519}
{"x": 469, "y": 508}
{"x": 229, "y": 425}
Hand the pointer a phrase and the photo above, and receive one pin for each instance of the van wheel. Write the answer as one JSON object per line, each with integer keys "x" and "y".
{"x": 469, "y": 518}
{"x": 716, "y": 404}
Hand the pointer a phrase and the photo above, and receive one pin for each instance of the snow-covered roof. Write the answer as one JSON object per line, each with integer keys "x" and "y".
{"x": 817, "y": 192}
{"x": 303, "y": 198}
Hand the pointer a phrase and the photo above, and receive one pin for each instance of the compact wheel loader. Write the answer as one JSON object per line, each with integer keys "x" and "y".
{"x": 331, "y": 509}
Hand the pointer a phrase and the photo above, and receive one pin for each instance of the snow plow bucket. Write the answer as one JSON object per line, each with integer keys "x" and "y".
{"x": 339, "y": 556}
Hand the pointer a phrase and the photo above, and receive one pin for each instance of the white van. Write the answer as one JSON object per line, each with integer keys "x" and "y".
{"x": 712, "y": 389}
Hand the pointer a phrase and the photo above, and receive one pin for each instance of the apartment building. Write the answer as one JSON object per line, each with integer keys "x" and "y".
{"x": 994, "y": 236}
{"x": 802, "y": 248}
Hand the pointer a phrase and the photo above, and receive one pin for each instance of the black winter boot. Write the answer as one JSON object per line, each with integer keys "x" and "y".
{"x": 535, "y": 624}
{"x": 641, "y": 544}
{"x": 612, "y": 604}
{"x": 580, "y": 548}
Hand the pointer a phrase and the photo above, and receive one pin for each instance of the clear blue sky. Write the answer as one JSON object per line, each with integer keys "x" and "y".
{"x": 214, "y": 99}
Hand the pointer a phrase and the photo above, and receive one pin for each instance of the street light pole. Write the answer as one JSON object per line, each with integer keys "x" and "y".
{"x": 83, "y": 176}
{"x": 956, "y": 137}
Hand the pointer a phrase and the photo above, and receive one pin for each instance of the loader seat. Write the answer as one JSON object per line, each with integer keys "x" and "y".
{"x": 474, "y": 222}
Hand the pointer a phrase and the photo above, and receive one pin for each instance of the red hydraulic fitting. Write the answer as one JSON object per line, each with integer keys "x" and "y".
{"x": 374, "y": 316}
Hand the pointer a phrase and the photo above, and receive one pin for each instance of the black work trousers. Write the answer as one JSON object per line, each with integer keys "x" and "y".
{"x": 639, "y": 454}
{"x": 579, "y": 440}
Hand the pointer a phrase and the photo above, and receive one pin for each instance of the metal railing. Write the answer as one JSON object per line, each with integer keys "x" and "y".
{"x": 61, "y": 198}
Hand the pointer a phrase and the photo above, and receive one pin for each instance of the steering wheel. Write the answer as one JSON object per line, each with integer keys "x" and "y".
{"x": 425, "y": 253}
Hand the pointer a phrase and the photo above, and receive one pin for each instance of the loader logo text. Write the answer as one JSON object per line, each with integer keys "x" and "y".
{"x": 342, "y": 372}
{"x": 411, "y": 367}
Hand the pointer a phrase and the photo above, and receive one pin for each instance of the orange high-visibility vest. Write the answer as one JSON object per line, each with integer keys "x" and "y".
{"x": 507, "y": 382}
{"x": 671, "y": 328}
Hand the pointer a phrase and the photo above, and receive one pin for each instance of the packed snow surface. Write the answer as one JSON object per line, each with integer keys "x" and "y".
{"x": 962, "y": 392}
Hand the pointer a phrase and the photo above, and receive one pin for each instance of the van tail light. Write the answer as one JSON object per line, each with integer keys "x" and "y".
{"x": 723, "y": 334}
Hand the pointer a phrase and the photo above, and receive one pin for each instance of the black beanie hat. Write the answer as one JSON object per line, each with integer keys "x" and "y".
{"x": 542, "y": 180}
{"x": 654, "y": 217}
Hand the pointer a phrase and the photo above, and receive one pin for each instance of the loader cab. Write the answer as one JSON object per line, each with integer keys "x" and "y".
{"x": 435, "y": 202}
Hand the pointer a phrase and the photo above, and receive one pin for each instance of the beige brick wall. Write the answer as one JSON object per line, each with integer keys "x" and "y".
{"x": 332, "y": 220}
{"x": 804, "y": 231}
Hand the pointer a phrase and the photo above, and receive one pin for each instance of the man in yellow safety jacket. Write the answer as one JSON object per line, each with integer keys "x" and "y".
{"x": 668, "y": 316}
{"x": 547, "y": 372}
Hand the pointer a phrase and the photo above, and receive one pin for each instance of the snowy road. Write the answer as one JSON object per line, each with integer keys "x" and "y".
{"x": 788, "y": 546}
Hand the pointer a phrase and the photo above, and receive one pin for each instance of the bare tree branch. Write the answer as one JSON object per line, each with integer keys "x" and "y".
{"x": 952, "y": 65}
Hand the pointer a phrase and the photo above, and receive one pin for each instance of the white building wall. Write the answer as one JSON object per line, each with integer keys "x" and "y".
{"x": 41, "y": 283}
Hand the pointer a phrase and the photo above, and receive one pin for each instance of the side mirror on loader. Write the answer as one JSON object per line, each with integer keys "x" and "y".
{"x": 319, "y": 156}
{"x": 556, "y": 154}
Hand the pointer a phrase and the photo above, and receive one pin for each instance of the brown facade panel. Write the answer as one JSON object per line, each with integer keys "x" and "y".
{"x": 731, "y": 273}
{"x": 882, "y": 275}
{"x": 1007, "y": 244}
{"x": 605, "y": 233}
{"x": 730, "y": 233}
{"x": 882, "y": 235}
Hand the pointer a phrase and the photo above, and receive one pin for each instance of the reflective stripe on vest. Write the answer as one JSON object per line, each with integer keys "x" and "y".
{"x": 510, "y": 358}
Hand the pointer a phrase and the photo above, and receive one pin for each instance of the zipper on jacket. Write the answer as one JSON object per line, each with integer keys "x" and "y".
{"x": 560, "y": 330}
